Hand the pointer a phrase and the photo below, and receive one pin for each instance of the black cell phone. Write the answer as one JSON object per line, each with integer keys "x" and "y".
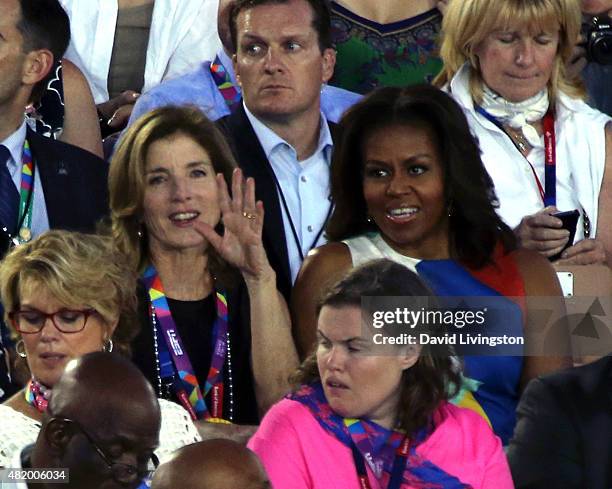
{"x": 570, "y": 221}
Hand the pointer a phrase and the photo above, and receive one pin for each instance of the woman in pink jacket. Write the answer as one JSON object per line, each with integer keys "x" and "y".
{"x": 370, "y": 414}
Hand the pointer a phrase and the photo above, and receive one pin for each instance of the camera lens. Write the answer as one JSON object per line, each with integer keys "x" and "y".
{"x": 598, "y": 35}
{"x": 602, "y": 49}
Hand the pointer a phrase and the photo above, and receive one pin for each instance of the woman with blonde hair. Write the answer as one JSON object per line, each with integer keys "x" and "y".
{"x": 545, "y": 149}
{"x": 215, "y": 332}
{"x": 67, "y": 294}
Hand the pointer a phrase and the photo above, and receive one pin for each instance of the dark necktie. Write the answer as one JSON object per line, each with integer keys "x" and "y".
{"x": 9, "y": 196}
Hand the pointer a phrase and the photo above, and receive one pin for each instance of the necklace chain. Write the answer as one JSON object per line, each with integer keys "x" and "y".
{"x": 519, "y": 139}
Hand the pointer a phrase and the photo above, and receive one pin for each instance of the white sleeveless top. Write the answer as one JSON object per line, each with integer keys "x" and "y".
{"x": 371, "y": 246}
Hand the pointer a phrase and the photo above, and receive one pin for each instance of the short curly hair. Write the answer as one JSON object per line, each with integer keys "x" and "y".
{"x": 433, "y": 378}
{"x": 77, "y": 269}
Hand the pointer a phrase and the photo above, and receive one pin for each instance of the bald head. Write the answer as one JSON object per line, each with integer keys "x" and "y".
{"x": 212, "y": 464}
{"x": 102, "y": 412}
{"x": 103, "y": 382}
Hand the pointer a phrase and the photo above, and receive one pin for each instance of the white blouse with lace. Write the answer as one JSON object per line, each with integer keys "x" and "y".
{"x": 18, "y": 430}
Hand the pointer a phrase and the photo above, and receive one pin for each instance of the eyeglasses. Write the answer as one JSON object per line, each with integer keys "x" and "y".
{"x": 122, "y": 473}
{"x": 30, "y": 321}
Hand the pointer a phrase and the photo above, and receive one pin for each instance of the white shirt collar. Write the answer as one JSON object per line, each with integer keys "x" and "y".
{"x": 14, "y": 143}
{"x": 460, "y": 86}
{"x": 269, "y": 140}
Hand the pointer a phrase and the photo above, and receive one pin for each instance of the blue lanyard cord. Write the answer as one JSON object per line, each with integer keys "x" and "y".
{"x": 548, "y": 192}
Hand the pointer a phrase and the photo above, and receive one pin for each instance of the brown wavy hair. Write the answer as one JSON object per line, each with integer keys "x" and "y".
{"x": 432, "y": 379}
{"x": 126, "y": 180}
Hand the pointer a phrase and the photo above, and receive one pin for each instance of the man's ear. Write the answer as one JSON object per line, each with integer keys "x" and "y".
{"x": 36, "y": 66}
{"x": 328, "y": 63}
{"x": 235, "y": 65}
{"x": 58, "y": 434}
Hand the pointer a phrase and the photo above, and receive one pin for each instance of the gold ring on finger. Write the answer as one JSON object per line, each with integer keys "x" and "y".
{"x": 248, "y": 215}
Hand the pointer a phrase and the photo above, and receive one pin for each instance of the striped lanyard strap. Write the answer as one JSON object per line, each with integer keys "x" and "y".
{"x": 548, "y": 191}
{"x": 173, "y": 358}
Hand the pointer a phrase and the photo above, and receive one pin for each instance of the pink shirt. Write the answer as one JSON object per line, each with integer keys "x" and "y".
{"x": 298, "y": 453}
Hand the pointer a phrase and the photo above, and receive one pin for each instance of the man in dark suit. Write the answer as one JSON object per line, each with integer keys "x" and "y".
{"x": 69, "y": 184}
{"x": 563, "y": 437}
{"x": 43, "y": 183}
{"x": 282, "y": 58}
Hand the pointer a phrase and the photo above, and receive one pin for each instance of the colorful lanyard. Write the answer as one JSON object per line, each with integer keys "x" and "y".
{"x": 173, "y": 357}
{"x": 37, "y": 395}
{"x": 26, "y": 192}
{"x": 548, "y": 192}
{"x": 224, "y": 83}
{"x": 399, "y": 465}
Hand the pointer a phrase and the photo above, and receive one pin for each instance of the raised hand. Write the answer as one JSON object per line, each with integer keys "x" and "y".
{"x": 242, "y": 217}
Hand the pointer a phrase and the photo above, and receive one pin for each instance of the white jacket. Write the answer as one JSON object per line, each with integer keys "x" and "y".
{"x": 581, "y": 157}
{"x": 183, "y": 35}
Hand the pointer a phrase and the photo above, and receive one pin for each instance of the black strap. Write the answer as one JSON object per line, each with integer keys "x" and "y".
{"x": 292, "y": 225}
{"x": 397, "y": 472}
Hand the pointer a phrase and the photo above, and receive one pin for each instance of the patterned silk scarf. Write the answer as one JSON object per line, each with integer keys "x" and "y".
{"x": 518, "y": 115}
{"x": 377, "y": 445}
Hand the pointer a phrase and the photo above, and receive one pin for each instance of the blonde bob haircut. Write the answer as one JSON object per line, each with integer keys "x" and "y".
{"x": 78, "y": 270}
{"x": 127, "y": 181}
{"x": 467, "y": 23}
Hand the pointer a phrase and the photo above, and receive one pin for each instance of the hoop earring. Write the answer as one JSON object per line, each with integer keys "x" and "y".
{"x": 21, "y": 351}
{"x": 108, "y": 346}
